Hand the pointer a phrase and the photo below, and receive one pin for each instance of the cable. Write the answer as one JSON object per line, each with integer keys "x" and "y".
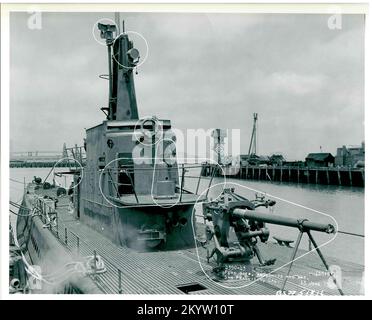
{"x": 91, "y": 265}
{"x": 19, "y": 206}
{"x": 17, "y": 181}
{"x": 34, "y": 212}
{"x": 18, "y": 202}
{"x": 31, "y": 271}
{"x": 22, "y": 215}
{"x": 86, "y": 268}
{"x": 352, "y": 234}
{"x": 74, "y": 267}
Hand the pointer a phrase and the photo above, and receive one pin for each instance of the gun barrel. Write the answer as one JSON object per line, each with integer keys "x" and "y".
{"x": 283, "y": 221}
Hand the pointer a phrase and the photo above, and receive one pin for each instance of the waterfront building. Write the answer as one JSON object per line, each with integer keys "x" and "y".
{"x": 350, "y": 156}
{"x": 321, "y": 159}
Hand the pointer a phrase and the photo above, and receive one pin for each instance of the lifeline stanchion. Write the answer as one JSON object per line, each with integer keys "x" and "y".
{"x": 302, "y": 230}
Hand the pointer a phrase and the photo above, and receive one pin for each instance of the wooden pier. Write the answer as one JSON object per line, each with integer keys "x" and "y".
{"x": 47, "y": 159}
{"x": 34, "y": 159}
{"x": 341, "y": 176}
{"x": 36, "y": 164}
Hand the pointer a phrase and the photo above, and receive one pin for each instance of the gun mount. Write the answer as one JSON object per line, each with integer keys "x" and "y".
{"x": 231, "y": 210}
{"x": 247, "y": 231}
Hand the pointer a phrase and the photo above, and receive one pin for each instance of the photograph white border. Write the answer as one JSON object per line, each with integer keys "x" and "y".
{"x": 346, "y": 7}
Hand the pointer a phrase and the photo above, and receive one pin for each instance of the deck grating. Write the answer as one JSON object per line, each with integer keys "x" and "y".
{"x": 163, "y": 272}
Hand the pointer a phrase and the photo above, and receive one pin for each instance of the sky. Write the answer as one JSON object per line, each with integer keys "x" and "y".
{"x": 305, "y": 80}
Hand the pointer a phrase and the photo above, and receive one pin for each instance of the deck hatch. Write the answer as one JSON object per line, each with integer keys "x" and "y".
{"x": 190, "y": 287}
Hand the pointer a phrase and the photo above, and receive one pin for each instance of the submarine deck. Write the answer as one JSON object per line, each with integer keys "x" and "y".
{"x": 187, "y": 271}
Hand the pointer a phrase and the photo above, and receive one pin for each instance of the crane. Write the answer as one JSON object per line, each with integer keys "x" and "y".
{"x": 253, "y": 144}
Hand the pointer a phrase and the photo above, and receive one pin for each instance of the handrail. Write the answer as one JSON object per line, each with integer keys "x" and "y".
{"x": 90, "y": 248}
{"x": 132, "y": 183}
{"x": 182, "y": 181}
{"x": 214, "y": 170}
{"x": 117, "y": 192}
{"x": 151, "y": 168}
{"x": 182, "y": 170}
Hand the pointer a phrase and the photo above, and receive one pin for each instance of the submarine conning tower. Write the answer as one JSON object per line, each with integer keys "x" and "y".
{"x": 133, "y": 189}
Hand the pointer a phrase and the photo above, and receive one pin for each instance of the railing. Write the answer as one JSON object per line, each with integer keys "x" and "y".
{"x": 183, "y": 176}
{"x": 78, "y": 246}
{"x": 76, "y": 153}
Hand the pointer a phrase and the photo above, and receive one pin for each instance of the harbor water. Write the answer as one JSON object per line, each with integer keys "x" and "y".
{"x": 318, "y": 203}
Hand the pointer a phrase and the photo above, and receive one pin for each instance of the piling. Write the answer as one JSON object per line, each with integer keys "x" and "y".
{"x": 317, "y": 175}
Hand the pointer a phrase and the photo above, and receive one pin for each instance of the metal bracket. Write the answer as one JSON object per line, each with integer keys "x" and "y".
{"x": 294, "y": 253}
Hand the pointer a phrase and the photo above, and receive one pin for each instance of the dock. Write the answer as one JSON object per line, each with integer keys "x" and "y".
{"x": 341, "y": 176}
{"x": 47, "y": 159}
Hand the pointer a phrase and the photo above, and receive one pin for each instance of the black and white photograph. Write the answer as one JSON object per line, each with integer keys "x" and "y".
{"x": 205, "y": 151}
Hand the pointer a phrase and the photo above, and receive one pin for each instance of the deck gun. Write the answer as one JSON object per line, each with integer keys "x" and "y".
{"x": 232, "y": 211}
{"x": 224, "y": 214}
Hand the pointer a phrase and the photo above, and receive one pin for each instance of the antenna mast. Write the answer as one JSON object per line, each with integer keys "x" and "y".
{"x": 122, "y": 59}
{"x": 117, "y": 22}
